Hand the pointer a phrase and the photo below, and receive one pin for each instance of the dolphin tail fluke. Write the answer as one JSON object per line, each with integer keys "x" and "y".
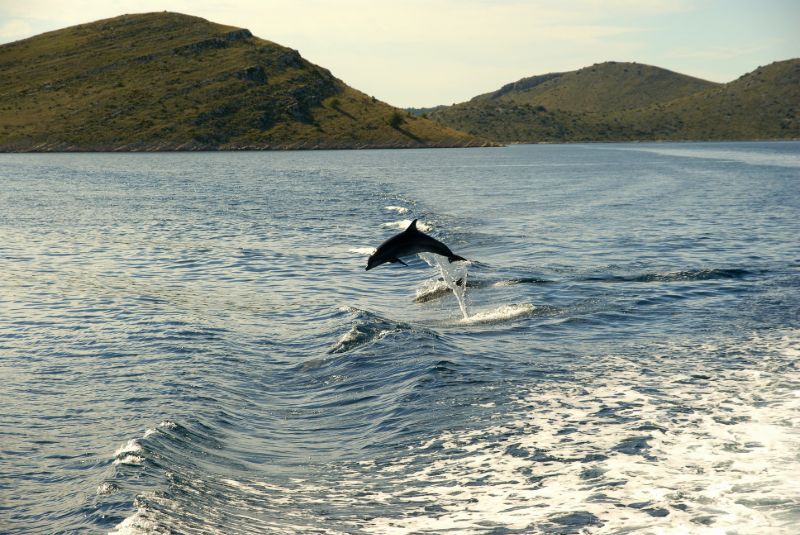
{"x": 456, "y": 258}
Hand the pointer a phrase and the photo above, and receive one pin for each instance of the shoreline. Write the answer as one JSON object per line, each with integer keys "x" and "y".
{"x": 322, "y": 147}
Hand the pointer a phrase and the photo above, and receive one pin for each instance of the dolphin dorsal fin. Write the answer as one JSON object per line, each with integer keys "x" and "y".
{"x": 413, "y": 226}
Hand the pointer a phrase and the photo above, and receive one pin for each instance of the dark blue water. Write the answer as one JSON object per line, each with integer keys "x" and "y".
{"x": 189, "y": 343}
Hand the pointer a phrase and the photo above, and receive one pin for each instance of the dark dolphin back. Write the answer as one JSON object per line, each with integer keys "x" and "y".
{"x": 435, "y": 245}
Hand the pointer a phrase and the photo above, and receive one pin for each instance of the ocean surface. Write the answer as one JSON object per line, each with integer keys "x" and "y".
{"x": 189, "y": 343}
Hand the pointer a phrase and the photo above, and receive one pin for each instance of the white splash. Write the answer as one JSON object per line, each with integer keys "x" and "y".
{"x": 136, "y": 524}
{"x": 362, "y": 251}
{"x": 454, "y": 274}
{"x": 500, "y": 314}
{"x": 132, "y": 446}
{"x": 404, "y": 223}
{"x": 106, "y": 488}
{"x": 396, "y": 209}
{"x": 129, "y": 459}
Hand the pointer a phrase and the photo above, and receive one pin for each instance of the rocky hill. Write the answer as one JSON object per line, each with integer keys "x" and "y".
{"x": 167, "y": 81}
{"x": 632, "y": 102}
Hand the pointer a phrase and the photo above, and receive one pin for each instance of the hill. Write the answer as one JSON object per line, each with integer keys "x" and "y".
{"x": 627, "y": 101}
{"x": 763, "y": 104}
{"x": 167, "y": 81}
{"x": 604, "y": 87}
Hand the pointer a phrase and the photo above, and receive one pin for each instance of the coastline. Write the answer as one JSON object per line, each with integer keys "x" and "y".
{"x": 55, "y": 148}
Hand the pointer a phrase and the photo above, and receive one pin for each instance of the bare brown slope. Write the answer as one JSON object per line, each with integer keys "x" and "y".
{"x": 167, "y": 81}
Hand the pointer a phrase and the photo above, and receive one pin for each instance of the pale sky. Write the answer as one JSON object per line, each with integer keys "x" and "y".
{"x": 429, "y": 52}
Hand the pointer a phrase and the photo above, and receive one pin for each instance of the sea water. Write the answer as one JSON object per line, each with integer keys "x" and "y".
{"x": 189, "y": 343}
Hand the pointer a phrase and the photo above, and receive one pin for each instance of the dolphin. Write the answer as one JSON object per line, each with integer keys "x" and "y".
{"x": 409, "y": 242}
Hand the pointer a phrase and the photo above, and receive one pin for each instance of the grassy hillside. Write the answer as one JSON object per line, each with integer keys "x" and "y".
{"x": 604, "y": 87}
{"x": 763, "y": 104}
{"x": 627, "y": 101}
{"x": 166, "y": 81}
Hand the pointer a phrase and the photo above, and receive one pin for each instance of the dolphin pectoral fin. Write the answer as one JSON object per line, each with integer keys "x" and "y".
{"x": 396, "y": 260}
{"x": 456, "y": 258}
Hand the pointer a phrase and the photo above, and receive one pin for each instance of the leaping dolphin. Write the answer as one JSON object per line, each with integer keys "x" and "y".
{"x": 409, "y": 242}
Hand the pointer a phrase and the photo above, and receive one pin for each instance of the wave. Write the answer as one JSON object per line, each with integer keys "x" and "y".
{"x": 675, "y": 276}
{"x": 132, "y": 446}
{"x": 617, "y": 452}
{"x": 367, "y": 327}
{"x": 170, "y": 450}
{"x": 133, "y": 451}
{"x": 522, "y": 280}
{"x": 358, "y": 335}
{"x": 136, "y": 524}
{"x": 613, "y": 448}
{"x": 129, "y": 453}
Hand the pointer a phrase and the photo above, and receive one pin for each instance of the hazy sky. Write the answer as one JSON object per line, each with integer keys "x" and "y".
{"x": 427, "y": 52}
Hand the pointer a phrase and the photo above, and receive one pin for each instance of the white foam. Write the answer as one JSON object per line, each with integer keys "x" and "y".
{"x": 136, "y": 524}
{"x": 132, "y": 446}
{"x": 129, "y": 459}
{"x": 106, "y": 488}
{"x": 362, "y": 251}
{"x": 500, "y": 314}
{"x": 716, "y": 445}
{"x": 430, "y": 288}
{"x": 396, "y": 209}
{"x": 689, "y": 451}
{"x": 404, "y": 223}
